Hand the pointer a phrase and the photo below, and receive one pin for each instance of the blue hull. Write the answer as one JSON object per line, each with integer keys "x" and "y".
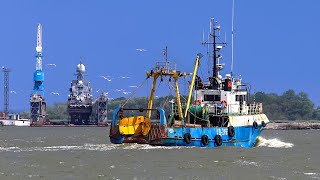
{"x": 161, "y": 135}
{"x": 245, "y": 136}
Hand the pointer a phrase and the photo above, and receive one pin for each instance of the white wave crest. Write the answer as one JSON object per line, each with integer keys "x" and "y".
{"x": 274, "y": 143}
{"x": 89, "y": 147}
{"x": 147, "y": 146}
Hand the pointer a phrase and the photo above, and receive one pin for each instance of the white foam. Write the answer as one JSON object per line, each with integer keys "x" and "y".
{"x": 310, "y": 173}
{"x": 274, "y": 143}
{"x": 279, "y": 178}
{"x": 91, "y": 147}
{"x": 147, "y": 147}
{"x": 247, "y": 163}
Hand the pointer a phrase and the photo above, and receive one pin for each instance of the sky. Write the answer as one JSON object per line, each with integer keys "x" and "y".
{"x": 276, "y": 43}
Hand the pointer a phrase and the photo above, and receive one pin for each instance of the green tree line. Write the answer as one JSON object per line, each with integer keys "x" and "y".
{"x": 287, "y": 106}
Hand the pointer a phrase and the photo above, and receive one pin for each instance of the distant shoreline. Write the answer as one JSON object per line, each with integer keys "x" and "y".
{"x": 292, "y": 125}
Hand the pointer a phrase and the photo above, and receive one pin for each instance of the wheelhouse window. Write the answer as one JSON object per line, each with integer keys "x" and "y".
{"x": 210, "y": 97}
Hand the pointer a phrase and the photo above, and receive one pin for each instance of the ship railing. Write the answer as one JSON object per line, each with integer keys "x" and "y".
{"x": 216, "y": 110}
{"x": 165, "y": 67}
{"x": 255, "y": 108}
{"x": 236, "y": 109}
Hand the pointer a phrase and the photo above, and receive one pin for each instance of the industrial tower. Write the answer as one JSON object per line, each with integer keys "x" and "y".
{"x": 6, "y": 72}
{"x": 37, "y": 101}
{"x": 102, "y": 109}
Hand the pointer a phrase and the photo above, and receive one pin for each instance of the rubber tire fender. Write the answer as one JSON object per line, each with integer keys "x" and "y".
{"x": 231, "y": 131}
{"x": 255, "y": 124}
{"x": 205, "y": 140}
{"x": 218, "y": 140}
{"x": 263, "y": 124}
{"x": 187, "y": 138}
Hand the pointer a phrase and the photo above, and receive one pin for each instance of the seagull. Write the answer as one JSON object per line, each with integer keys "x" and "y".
{"x": 133, "y": 86}
{"x": 125, "y": 92}
{"x": 106, "y": 78}
{"x": 119, "y": 90}
{"x": 141, "y": 50}
{"x": 171, "y": 101}
{"x": 156, "y": 96}
{"x": 55, "y": 93}
{"x": 124, "y": 77}
{"x": 13, "y": 92}
{"x": 98, "y": 90}
{"x": 52, "y": 65}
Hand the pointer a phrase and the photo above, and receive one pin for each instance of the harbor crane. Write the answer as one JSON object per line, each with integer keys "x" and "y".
{"x": 37, "y": 101}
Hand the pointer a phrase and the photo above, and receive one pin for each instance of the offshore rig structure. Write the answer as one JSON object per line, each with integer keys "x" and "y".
{"x": 38, "y": 107}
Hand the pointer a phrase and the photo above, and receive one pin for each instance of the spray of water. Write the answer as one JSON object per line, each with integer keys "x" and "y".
{"x": 273, "y": 143}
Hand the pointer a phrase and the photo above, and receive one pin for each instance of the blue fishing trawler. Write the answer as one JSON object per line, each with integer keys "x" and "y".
{"x": 216, "y": 113}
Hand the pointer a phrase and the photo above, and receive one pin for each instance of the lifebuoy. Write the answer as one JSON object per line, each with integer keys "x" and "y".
{"x": 231, "y": 131}
{"x": 224, "y": 103}
{"x": 197, "y": 101}
{"x": 218, "y": 140}
{"x": 187, "y": 138}
{"x": 255, "y": 124}
{"x": 263, "y": 124}
{"x": 205, "y": 140}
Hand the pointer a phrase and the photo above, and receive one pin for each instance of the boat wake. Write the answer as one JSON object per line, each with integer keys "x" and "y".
{"x": 273, "y": 143}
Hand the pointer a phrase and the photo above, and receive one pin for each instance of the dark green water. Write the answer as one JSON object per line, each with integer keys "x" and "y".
{"x": 86, "y": 153}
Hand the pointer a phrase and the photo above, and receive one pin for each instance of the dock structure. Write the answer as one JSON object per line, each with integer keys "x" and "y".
{"x": 102, "y": 109}
{"x": 38, "y": 110}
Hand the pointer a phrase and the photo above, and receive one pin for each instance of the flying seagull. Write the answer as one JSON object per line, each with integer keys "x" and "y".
{"x": 98, "y": 90}
{"x": 106, "y": 78}
{"x": 125, "y": 92}
{"x": 55, "y": 93}
{"x": 119, "y": 90}
{"x": 52, "y": 65}
{"x": 124, "y": 77}
{"x": 133, "y": 86}
{"x": 13, "y": 92}
{"x": 141, "y": 50}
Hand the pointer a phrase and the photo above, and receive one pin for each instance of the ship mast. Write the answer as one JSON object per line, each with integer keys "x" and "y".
{"x": 214, "y": 34}
{"x": 214, "y": 49}
{"x": 232, "y": 36}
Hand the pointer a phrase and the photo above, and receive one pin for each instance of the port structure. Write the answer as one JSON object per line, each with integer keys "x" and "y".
{"x": 80, "y": 98}
{"x": 102, "y": 109}
{"x": 6, "y": 72}
{"x": 37, "y": 101}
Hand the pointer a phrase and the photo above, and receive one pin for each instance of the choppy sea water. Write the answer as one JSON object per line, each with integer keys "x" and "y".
{"x": 86, "y": 153}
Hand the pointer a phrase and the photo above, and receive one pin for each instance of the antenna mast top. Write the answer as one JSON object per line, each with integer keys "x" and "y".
{"x": 232, "y": 38}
